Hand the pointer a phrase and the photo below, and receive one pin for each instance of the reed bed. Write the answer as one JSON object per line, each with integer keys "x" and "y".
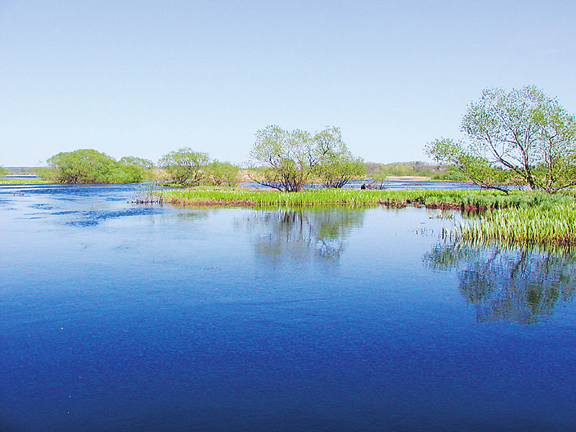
{"x": 543, "y": 224}
{"x": 527, "y": 217}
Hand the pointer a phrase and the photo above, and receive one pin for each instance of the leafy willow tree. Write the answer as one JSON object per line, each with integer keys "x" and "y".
{"x": 290, "y": 159}
{"x": 287, "y": 158}
{"x": 88, "y": 166}
{"x": 145, "y": 164}
{"x": 476, "y": 168}
{"x": 136, "y": 168}
{"x": 522, "y": 137}
{"x": 222, "y": 173}
{"x": 185, "y": 165}
{"x": 338, "y": 166}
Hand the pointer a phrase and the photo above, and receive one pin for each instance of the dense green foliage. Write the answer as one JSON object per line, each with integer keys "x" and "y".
{"x": 221, "y": 173}
{"x": 449, "y": 173}
{"x": 399, "y": 169}
{"x": 90, "y": 166}
{"x": 287, "y": 160}
{"x": 521, "y": 137}
{"x": 185, "y": 165}
{"x": 3, "y": 171}
{"x": 338, "y": 165}
{"x": 145, "y": 164}
{"x": 182, "y": 167}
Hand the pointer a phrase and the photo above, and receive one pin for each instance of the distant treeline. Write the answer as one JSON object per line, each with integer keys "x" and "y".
{"x": 188, "y": 167}
{"x": 180, "y": 167}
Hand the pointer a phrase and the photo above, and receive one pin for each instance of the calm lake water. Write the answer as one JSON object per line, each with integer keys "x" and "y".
{"x": 119, "y": 317}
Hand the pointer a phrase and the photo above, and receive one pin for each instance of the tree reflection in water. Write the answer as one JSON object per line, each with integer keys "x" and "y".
{"x": 514, "y": 284}
{"x": 301, "y": 235}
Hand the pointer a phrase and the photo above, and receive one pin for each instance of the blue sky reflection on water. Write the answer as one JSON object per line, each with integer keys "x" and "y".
{"x": 159, "y": 318}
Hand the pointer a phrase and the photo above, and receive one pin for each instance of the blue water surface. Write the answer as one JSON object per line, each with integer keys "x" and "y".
{"x": 123, "y": 317}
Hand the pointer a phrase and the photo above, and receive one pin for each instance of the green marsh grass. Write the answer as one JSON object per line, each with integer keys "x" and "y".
{"x": 475, "y": 200}
{"x": 541, "y": 224}
{"x": 528, "y": 217}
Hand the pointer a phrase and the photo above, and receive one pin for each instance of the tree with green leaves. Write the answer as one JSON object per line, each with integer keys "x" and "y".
{"x": 3, "y": 171}
{"x": 185, "y": 165}
{"x": 81, "y": 166}
{"x": 338, "y": 165}
{"x": 222, "y": 173}
{"x": 290, "y": 159}
{"x": 521, "y": 137}
{"x": 137, "y": 168}
{"x": 287, "y": 158}
{"x": 89, "y": 166}
{"x": 145, "y": 164}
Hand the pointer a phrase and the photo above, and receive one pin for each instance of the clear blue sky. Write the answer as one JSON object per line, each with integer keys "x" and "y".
{"x": 145, "y": 77}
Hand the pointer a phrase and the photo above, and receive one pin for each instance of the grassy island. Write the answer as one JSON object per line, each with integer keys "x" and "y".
{"x": 519, "y": 217}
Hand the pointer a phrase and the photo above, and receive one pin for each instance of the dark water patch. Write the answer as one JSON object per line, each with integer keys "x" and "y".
{"x": 94, "y": 217}
{"x": 42, "y": 206}
{"x": 83, "y": 223}
{"x": 65, "y": 212}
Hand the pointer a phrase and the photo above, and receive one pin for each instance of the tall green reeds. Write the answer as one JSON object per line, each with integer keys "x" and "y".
{"x": 541, "y": 224}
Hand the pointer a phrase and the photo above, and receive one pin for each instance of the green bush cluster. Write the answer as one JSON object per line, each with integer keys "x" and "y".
{"x": 91, "y": 166}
